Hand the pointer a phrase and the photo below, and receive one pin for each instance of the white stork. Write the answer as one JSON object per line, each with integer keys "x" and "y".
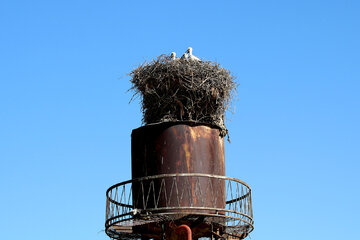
{"x": 192, "y": 57}
{"x": 173, "y": 56}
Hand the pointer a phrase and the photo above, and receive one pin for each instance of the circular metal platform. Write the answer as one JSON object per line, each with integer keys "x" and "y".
{"x": 152, "y": 207}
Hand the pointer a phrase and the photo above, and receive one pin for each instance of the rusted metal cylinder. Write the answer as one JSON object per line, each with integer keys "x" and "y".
{"x": 179, "y": 147}
{"x": 176, "y": 148}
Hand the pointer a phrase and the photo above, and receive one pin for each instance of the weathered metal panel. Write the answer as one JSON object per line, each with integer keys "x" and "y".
{"x": 179, "y": 148}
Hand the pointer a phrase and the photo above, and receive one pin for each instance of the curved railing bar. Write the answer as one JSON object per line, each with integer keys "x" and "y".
{"x": 238, "y": 199}
{"x": 108, "y": 225}
{"x": 177, "y": 175}
{"x": 152, "y": 210}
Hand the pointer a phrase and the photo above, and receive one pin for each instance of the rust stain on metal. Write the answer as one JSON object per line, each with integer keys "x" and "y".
{"x": 177, "y": 148}
{"x": 180, "y": 148}
{"x": 187, "y": 154}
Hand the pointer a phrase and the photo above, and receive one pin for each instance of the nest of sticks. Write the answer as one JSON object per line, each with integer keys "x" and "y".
{"x": 183, "y": 90}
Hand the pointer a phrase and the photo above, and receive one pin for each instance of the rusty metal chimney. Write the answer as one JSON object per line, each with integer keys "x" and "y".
{"x": 178, "y": 179}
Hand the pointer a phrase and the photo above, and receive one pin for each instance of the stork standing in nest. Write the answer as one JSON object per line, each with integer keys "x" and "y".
{"x": 173, "y": 56}
{"x": 191, "y": 56}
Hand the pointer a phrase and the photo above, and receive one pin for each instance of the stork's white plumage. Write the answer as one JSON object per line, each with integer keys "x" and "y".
{"x": 192, "y": 57}
{"x": 173, "y": 56}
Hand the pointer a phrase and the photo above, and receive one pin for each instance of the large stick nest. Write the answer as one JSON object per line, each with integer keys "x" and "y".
{"x": 182, "y": 90}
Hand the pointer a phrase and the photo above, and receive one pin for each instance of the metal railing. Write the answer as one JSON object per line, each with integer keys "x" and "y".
{"x": 219, "y": 200}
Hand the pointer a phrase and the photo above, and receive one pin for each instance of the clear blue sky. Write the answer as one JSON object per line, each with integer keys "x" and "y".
{"x": 65, "y": 121}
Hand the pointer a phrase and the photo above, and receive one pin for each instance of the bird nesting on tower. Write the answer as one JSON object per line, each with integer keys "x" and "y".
{"x": 184, "y": 88}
